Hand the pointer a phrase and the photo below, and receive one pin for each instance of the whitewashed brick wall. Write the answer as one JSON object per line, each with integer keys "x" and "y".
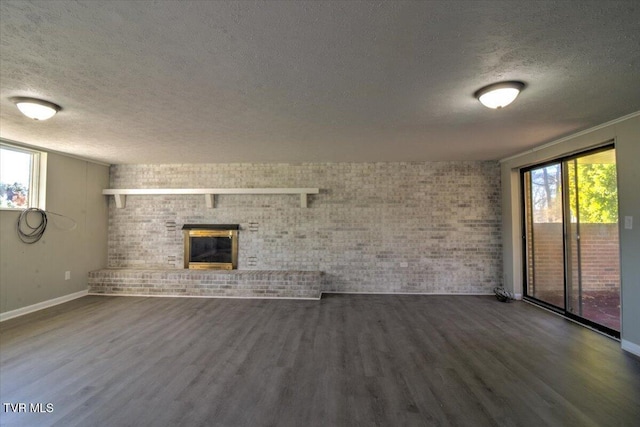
{"x": 431, "y": 227}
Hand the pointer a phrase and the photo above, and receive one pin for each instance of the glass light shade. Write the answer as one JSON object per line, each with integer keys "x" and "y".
{"x": 36, "y": 109}
{"x": 499, "y": 98}
{"x": 499, "y": 95}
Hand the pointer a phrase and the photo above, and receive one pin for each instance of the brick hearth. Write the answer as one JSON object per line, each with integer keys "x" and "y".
{"x": 207, "y": 283}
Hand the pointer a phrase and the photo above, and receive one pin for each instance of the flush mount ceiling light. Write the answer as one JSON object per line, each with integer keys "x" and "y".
{"x": 36, "y": 109}
{"x": 499, "y": 95}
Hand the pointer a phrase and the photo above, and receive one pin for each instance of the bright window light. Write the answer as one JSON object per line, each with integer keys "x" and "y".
{"x": 19, "y": 177}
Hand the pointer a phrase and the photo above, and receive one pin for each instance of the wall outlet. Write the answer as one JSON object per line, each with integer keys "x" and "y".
{"x": 628, "y": 222}
{"x": 67, "y": 275}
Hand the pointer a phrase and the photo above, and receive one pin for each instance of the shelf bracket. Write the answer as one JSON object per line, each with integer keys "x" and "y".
{"x": 121, "y": 200}
{"x": 210, "y": 200}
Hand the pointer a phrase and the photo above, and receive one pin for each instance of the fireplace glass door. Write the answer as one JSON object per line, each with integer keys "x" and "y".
{"x": 211, "y": 249}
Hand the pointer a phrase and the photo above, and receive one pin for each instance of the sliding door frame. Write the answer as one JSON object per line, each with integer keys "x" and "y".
{"x": 565, "y": 227}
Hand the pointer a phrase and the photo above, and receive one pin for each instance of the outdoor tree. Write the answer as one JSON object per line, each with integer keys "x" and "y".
{"x": 597, "y": 193}
{"x": 13, "y": 195}
{"x": 593, "y": 192}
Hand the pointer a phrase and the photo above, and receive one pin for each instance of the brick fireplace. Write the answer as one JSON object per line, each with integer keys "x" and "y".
{"x": 432, "y": 227}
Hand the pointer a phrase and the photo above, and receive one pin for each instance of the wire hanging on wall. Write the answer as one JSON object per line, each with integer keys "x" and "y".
{"x": 30, "y": 232}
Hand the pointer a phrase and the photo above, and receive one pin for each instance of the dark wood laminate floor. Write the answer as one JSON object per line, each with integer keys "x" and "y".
{"x": 345, "y": 360}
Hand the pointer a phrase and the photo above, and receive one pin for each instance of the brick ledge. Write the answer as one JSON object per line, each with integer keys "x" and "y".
{"x": 207, "y": 283}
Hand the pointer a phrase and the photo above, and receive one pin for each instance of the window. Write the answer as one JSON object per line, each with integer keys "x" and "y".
{"x": 21, "y": 170}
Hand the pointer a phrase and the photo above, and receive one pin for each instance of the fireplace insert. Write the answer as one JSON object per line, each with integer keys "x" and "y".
{"x": 211, "y": 246}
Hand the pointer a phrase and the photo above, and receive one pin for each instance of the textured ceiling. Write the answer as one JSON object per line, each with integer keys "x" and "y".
{"x": 196, "y": 81}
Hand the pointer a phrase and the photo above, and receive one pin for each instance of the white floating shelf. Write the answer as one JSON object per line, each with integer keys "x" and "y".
{"x": 120, "y": 194}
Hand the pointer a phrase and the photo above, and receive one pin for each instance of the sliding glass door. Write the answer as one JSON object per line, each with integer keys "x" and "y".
{"x": 545, "y": 234}
{"x": 571, "y": 238}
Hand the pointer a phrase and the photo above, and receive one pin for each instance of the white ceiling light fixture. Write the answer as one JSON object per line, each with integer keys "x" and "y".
{"x": 499, "y": 95}
{"x": 36, "y": 109}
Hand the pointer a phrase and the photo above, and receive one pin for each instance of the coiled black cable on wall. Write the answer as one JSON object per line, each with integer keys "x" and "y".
{"x": 31, "y": 232}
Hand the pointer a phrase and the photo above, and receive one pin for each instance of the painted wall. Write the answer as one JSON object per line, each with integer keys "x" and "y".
{"x": 31, "y": 274}
{"x": 375, "y": 227}
{"x": 626, "y": 134}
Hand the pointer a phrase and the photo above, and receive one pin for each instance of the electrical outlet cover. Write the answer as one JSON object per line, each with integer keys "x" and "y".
{"x": 628, "y": 222}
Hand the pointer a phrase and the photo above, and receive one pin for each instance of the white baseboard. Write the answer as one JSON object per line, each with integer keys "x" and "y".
{"x": 406, "y": 293}
{"x": 292, "y": 298}
{"x": 40, "y": 306}
{"x": 631, "y": 347}
{"x": 99, "y": 294}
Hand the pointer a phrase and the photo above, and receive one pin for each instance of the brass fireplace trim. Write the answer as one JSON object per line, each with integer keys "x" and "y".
{"x": 231, "y": 234}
